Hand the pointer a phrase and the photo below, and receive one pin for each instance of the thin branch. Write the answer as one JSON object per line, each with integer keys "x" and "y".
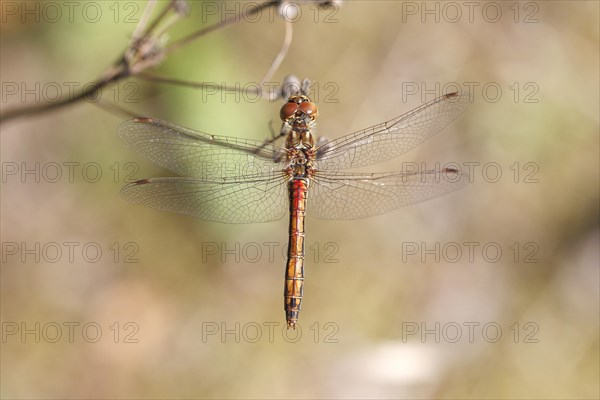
{"x": 287, "y": 42}
{"x": 187, "y": 39}
{"x": 118, "y": 72}
{"x": 116, "y": 110}
{"x": 144, "y": 52}
{"x": 138, "y": 32}
{"x": 180, "y": 82}
{"x": 181, "y": 8}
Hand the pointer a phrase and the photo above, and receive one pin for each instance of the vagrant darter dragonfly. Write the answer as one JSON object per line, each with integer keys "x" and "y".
{"x": 235, "y": 180}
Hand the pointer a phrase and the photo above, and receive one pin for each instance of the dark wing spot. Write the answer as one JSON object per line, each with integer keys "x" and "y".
{"x": 144, "y": 120}
{"x": 450, "y": 171}
{"x": 451, "y": 95}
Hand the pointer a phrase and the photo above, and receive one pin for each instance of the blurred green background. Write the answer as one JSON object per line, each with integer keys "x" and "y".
{"x": 158, "y": 315}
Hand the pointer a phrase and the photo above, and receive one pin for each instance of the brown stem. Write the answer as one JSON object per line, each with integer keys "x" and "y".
{"x": 117, "y": 110}
{"x": 254, "y": 10}
{"x": 190, "y": 84}
{"x": 116, "y": 73}
{"x": 121, "y": 69}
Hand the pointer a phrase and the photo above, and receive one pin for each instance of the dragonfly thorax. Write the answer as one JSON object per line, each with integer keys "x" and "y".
{"x": 300, "y": 139}
{"x": 300, "y": 162}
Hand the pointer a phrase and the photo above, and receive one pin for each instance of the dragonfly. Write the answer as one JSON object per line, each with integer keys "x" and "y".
{"x": 235, "y": 180}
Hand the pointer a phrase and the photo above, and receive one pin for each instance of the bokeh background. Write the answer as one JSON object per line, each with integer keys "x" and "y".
{"x": 176, "y": 307}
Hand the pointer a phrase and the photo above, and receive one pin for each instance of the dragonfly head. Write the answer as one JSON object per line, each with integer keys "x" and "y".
{"x": 299, "y": 111}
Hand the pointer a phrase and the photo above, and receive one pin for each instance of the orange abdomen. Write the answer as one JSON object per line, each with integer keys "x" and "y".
{"x": 294, "y": 271}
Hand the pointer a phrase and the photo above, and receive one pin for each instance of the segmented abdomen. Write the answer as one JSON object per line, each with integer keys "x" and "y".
{"x": 294, "y": 271}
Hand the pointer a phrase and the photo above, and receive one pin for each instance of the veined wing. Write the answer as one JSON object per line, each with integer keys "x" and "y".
{"x": 233, "y": 201}
{"x": 191, "y": 153}
{"x": 394, "y": 137}
{"x": 351, "y": 196}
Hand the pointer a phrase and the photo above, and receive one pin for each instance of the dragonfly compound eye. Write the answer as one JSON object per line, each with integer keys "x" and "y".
{"x": 309, "y": 108}
{"x": 288, "y": 110}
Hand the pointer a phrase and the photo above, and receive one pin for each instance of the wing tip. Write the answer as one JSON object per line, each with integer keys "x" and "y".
{"x": 123, "y": 129}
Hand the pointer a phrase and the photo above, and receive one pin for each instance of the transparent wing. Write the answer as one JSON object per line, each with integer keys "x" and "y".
{"x": 392, "y": 138}
{"x": 191, "y": 153}
{"x": 352, "y": 196}
{"x": 259, "y": 200}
